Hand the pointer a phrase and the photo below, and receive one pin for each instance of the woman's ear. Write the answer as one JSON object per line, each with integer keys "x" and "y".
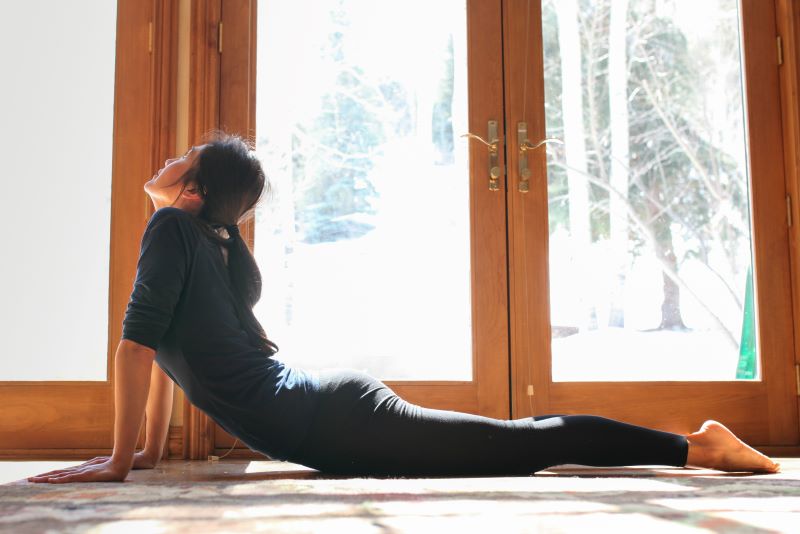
{"x": 191, "y": 193}
{"x": 191, "y": 199}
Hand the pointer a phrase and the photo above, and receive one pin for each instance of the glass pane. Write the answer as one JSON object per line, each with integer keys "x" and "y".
{"x": 57, "y": 105}
{"x": 364, "y": 243}
{"x": 650, "y": 246}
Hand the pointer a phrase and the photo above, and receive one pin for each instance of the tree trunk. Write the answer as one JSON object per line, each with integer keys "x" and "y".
{"x": 574, "y": 144}
{"x": 671, "y": 305}
{"x": 618, "y": 108}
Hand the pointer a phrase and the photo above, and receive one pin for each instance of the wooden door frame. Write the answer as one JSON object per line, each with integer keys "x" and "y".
{"x": 531, "y": 337}
{"x": 80, "y": 414}
{"x": 204, "y": 93}
{"x": 236, "y": 65}
{"x": 788, "y": 24}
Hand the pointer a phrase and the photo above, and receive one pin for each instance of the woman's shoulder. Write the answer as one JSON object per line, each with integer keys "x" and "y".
{"x": 171, "y": 220}
{"x": 170, "y": 215}
{"x": 171, "y": 212}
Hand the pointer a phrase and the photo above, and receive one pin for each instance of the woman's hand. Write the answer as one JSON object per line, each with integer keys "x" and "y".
{"x": 100, "y": 469}
{"x": 133, "y": 364}
{"x": 143, "y": 460}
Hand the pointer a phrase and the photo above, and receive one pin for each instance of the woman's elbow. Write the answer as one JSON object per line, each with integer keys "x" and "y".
{"x": 130, "y": 346}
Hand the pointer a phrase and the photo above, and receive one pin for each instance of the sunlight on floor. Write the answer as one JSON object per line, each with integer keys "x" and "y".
{"x": 11, "y": 471}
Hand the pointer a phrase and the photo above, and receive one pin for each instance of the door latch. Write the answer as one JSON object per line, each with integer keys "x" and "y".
{"x": 524, "y": 147}
{"x": 492, "y": 143}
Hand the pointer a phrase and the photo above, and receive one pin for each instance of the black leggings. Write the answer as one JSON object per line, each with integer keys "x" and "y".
{"x": 363, "y": 428}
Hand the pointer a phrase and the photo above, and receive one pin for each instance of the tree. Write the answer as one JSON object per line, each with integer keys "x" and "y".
{"x": 675, "y": 172}
{"x": 618, "y": 111}
{"x": 574, "y": 136}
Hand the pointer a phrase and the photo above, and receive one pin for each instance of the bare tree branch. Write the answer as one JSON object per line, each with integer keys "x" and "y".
{"x": 650, "y": 238}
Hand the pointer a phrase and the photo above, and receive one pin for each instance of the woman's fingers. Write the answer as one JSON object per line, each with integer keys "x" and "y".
{"x": 71, "y": 469}
{"x": 56, "y": 472}
{"x": 47, "y": 476}
{"x": 95, "y": 474}
{"x": 93, "y": 461}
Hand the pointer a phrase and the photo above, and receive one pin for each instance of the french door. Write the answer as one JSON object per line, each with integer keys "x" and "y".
{"x": 427, "y": 214}
{"x": 369, "y": 253}
{"x": 650, "y": 260}
{"x": 79, "y": 110}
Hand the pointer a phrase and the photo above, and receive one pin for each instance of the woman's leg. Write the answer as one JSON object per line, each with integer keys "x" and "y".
{"x": 363, "y": 428}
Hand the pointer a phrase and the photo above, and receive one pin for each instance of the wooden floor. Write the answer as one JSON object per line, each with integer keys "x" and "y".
{"x": 251, "y": 496}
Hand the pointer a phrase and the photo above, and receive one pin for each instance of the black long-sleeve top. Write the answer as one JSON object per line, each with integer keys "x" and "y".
{"x": 182, "y": 307}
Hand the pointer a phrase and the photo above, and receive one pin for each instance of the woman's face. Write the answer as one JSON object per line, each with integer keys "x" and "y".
{"x": 164, "y": 187}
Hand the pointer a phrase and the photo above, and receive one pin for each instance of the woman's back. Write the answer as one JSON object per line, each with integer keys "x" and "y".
{"x": 182, "y": 305}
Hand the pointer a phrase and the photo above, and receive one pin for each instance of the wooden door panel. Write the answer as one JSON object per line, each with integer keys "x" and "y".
{"x": 38, "y": 416}
{"x": 763, "y": 411}
{"x": 671, "y": 406}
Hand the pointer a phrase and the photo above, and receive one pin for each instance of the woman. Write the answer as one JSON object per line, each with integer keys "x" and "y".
{"x": 191, "y": 312}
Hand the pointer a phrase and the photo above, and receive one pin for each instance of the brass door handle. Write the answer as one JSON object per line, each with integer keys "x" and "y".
{"x": 494, "y": 141}
{"x": 524, "y": 147}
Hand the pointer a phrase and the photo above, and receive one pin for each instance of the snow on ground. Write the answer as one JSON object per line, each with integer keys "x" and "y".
{"x": 618, "y": 354}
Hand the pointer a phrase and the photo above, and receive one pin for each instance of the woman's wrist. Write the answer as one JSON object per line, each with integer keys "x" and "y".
{"x": 123, "y": 464}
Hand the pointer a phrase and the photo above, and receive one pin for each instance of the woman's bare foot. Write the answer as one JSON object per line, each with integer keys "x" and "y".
{"x": 716, "y": 447}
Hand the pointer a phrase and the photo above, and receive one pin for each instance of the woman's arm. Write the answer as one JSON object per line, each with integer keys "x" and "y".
{"x": 159, "y": 410}
{"x": 132, "y": 367}
{"x": 165, "y": 255}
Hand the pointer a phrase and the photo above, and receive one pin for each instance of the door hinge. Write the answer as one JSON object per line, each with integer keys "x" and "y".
{"x": 789, "y": 210}
{"x": 219, "y": 38}
{"x": 780, "y": 50}
{"x": 150, "y": 37}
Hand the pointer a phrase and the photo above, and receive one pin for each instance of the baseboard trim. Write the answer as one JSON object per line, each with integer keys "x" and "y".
{"x": 174, "y": 448}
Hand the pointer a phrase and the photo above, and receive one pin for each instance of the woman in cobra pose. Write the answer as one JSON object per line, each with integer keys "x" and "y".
{"x": 190, "y": 311}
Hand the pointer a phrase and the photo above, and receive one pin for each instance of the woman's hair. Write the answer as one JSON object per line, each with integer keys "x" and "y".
{"x": 229, "y": 178}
